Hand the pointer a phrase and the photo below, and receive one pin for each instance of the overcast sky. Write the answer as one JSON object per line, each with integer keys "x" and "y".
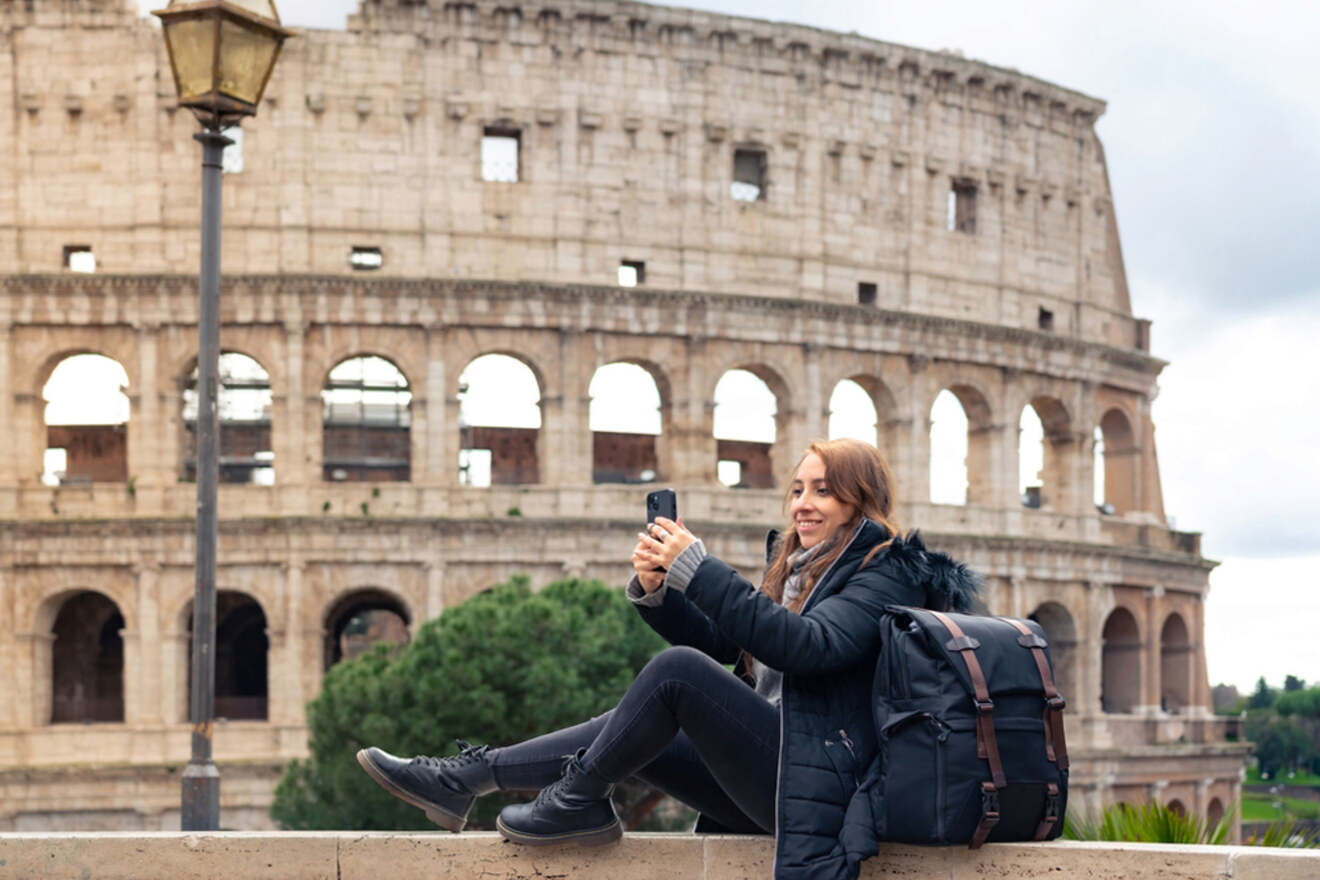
{"x": 1211, "y": 138}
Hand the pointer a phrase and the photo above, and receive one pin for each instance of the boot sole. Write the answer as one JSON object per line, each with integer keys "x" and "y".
{"x": 436, "y": 813}
{"x": 590, "y": 837}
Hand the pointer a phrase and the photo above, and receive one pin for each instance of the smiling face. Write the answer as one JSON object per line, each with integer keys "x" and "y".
{"x": 816, "y": 513}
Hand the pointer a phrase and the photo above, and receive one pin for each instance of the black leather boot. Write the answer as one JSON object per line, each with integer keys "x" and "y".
{"x": 443, "y": 787}
{"x": 574, "y": 809}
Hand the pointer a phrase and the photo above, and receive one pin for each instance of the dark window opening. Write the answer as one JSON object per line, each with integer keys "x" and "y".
{"x": 632, "y": 273}
{"x": 1031, "y": 497}
{"x": 79, "y": 258}
{"x": 1045, "y": 319}
{"x": 962, "y": 207}
{"x": 241, "y": 649}
{"x": 366, "y": 423}
{"x": 366, "y": 259}
{"x": 748, "y": 175}
{"x": 501, "y": 150}
{"x": 243, "y": 404}
{"x": 87, "y": 661}
{"x": 752, "y": 462}
{"x": 866, "y": 293}
{"x": 360, "y": 621}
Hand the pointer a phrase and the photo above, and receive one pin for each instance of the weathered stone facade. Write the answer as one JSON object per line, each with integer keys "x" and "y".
{"x": 922, "y": 223}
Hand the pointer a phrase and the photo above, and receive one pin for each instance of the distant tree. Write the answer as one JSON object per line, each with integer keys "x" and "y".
{"x": 1262, "y": 697}
{"x": 1302, "y": 703}
{"x": 1293, "y": 683}
{"x": 504, "y": 666}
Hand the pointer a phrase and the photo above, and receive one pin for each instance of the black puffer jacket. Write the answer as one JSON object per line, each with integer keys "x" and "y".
{"x": 827, "y": 654}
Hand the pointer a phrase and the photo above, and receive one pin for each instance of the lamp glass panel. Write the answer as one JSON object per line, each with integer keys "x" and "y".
{"x": 245, "y": 58}
{"x": 192, "y": 46}
{"x": 265, "y": 8}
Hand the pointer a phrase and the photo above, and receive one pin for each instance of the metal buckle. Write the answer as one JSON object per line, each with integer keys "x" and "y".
{"x": 1058, "y": 704}
{"x": 989, "y": 800}
{"x": 984, "y": 708}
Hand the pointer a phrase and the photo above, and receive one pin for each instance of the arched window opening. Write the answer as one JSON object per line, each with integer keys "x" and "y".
{"x": 87, "y": 413}
{"x": 1031, "y": 457}
{"x": 87, "y": 661}
{"x": 1045, "y": 444}
{"x": 241, "y": 657}
{"x": 360, "y": 620}
{"x": 949, "y": 429}
{"x": 1175, "y": 665}
{"x": 625, "y": 421}
{"x": 744, "y": 418}
{"x": 1177, "y": 807}
{"x": 1214, "y": 812}
{"x": 499, "y": 419}
{"x": 852, "y": 413}
{"x": 1121, "y": 464}
{"x": 243, "y": 401}
{"x": 1120, "y": 663}
{"x": 366, "y": 422}
{"x": 1061, "y": 633}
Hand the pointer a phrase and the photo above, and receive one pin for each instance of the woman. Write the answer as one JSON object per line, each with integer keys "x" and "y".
{"x": 781, "y": 756}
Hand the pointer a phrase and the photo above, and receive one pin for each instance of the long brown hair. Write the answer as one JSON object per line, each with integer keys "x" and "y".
{"x": 856, "y": 474}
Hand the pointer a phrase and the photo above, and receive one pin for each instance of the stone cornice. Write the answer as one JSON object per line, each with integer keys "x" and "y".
{"x": 420, "y": 290}
{"x": 771, "y": 48}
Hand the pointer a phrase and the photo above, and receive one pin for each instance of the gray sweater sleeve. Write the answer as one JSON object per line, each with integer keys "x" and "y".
{"x": 685, "y": 566}
{"x": 639, "y": 596}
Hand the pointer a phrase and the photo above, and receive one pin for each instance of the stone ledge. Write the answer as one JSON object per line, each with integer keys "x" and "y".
{"x": 398, "y": 856}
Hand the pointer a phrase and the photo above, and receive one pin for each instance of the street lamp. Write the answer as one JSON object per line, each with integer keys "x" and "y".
{"x": 222, "y": 54}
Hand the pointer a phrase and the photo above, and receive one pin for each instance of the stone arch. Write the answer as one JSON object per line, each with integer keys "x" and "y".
{"x": 86, "y": 657}
{"x": 1177, "y": 807}
{"x": 1214, "y": 813}
{"x": 960, "y": 460}
{"x": 1120, "y": 662}
{"x": 500, "y": 417}
{"x": 242, "y": 656}
{"x": 1175, "y": 664}
{"x": 1045, "y": 454}
{"x": 243, "y": 409}
{"x": 366, "y": 421}
{"x": 749, "y": 409}
{"x": 359, "y": 618}
{"x": 853, "y": 413}
{"x": 625, "y": 416}
{"x": 86, "y": 419}
{"x": 1120, "y": 461}
{"x": 1061, "y": 633}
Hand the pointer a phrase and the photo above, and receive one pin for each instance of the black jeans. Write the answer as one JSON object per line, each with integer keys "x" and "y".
{"x": 686, "y": 726}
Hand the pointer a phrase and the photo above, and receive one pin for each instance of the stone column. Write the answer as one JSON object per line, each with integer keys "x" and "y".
{"x": 142, "y": 674}
{"x": 148, "y": 468}
{"x": 912, "y": 430}
{"x": 8, "y": 637}
{"x": 295, "y": 435}
{"x": 8, "y": 463}
{"x": 440, "y": 443}
{"x": 435, "y": 593}
{"x": 564, "y": 448}
{"x": 28, "y": 423}
{"x": 285, "y": 687}
{"x": 40, "y": 688}
{"x": 691, "y": 428}
{"x": 1150, "y": 656}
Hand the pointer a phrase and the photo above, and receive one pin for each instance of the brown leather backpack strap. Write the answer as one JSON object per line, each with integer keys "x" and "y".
{"x": 987, "y": 746}
{"x": 1051, "y": 817}
{"x": 1056, "y": 747}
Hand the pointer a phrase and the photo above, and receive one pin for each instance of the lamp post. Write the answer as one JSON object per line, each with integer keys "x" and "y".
{"x": 222, "y": 54}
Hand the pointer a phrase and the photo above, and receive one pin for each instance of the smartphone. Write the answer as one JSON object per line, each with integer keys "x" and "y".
{"x": 661, "y": 502}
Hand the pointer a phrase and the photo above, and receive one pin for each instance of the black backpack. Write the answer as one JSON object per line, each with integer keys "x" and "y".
{"x": 970, "y": 729}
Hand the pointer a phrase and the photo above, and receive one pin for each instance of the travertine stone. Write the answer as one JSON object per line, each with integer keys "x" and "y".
{"x": 628, "y": 116}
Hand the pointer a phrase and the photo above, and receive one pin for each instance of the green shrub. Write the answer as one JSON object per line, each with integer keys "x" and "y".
{"x": 506, "y": 665}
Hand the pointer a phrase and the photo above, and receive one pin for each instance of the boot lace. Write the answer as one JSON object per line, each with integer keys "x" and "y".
{"x": 566, "y": 773}
{"x": 469, "y": 754}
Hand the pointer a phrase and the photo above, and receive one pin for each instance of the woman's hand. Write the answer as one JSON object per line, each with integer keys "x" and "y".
{"x": 658, "y": 547}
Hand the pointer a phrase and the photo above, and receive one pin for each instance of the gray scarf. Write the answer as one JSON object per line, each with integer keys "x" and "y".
{"x": 770, "y": 682}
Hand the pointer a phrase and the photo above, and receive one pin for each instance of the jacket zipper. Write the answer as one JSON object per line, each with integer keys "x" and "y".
{"x": 941, "y": 736}
{"x": 783, "y": 701}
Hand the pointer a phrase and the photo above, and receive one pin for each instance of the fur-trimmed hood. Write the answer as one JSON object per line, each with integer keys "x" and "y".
{"x": 949, "y": 584}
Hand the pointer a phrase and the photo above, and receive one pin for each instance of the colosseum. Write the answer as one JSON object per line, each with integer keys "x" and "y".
{"x": 679, "y": 201}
